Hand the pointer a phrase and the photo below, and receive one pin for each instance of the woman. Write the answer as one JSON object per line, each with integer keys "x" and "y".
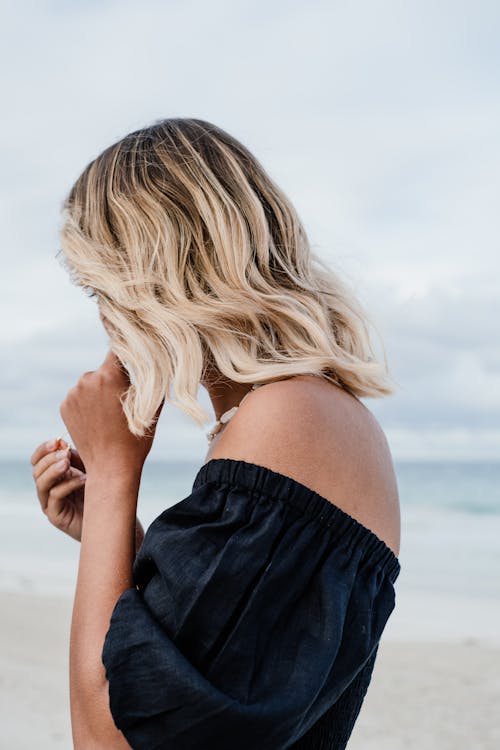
{"x": 250, "y": 614}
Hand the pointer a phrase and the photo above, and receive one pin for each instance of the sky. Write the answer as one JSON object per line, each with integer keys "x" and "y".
{"x": 379, "y": 119}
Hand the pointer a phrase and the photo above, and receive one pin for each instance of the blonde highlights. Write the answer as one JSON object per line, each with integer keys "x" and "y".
{"x": 199, "y": 260}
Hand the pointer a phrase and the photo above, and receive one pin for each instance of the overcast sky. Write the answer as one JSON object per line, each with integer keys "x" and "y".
{"x": 380, "y": 120}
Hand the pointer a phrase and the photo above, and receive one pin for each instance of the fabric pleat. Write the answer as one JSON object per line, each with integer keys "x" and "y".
{"x": 255, "y": 618}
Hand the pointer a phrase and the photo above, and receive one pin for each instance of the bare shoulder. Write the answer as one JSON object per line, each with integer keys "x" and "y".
{"x": 327, "y": 439}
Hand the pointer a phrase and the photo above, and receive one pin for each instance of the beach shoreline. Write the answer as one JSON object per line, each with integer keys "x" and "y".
{"x": 427, "y": 694}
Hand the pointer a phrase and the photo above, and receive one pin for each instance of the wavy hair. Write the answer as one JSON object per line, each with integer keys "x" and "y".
{"x": 200, "y": 263}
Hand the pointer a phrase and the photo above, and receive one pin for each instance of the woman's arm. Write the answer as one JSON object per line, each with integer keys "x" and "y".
{"x": 105, "y": 571}
{"x": 62, "y": 499}
{"x": 114, "y": 458}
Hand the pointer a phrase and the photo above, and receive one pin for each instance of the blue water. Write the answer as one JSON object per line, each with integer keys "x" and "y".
{"x": 450, "y": 526}
{"x": 472, "y": 487}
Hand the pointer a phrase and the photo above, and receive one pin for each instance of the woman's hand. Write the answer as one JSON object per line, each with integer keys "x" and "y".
{"x": 94, "y": 417}
{"x": 59, "y": 475}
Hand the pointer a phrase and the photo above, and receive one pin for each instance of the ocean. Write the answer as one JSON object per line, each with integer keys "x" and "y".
{"x": 450, "y": 541}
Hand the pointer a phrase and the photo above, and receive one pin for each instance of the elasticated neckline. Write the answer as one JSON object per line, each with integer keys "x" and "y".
{"x": 264, "y": 481}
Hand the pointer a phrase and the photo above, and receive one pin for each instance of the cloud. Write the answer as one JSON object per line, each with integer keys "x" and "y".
{"x": 379, "y": 120}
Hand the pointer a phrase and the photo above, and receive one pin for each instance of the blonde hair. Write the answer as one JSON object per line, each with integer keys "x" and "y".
{"x": 199, "y": 260}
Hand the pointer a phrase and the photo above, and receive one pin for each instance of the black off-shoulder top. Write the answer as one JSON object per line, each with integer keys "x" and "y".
{"x": 254, "y": 621}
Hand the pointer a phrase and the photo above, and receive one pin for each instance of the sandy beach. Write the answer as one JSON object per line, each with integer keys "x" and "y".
{"x": 426, "y": 695}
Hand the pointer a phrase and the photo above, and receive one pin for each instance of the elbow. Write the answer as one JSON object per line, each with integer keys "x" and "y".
{"x": 92, "y": 723}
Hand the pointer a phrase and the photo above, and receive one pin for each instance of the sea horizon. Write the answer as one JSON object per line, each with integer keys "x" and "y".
{"x": 449, "y": 583}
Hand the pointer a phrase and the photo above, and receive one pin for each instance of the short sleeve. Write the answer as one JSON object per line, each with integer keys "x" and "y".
{"x": 256, "y": 603}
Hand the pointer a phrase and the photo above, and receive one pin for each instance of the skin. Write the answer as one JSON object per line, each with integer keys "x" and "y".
{"x": 342, "y": 453}
{"x": 59, "y": 475}
{"x": 113, "y": 459}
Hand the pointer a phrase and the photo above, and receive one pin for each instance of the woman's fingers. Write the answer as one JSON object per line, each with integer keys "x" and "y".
{"x": 42, "y": 450}
{"x": 48, "y": 461}
{"x": 52, "y": 475}
{"x": 57, "y": 496}
{"x": 46, "y": 450}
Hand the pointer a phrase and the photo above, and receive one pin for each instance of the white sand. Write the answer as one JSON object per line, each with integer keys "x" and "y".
{"x": 426, "y": 695}
{"x": 34, "y": 671}
{"x": 431, "y": 696}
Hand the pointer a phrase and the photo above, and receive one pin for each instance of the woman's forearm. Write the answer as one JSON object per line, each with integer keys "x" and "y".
{"x": 107, "y": 552}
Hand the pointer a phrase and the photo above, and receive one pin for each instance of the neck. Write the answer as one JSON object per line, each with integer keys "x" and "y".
{"x": 224, "y": 393}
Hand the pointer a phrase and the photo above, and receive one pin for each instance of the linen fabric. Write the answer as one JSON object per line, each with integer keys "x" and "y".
{"x": 254, "y": 621}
